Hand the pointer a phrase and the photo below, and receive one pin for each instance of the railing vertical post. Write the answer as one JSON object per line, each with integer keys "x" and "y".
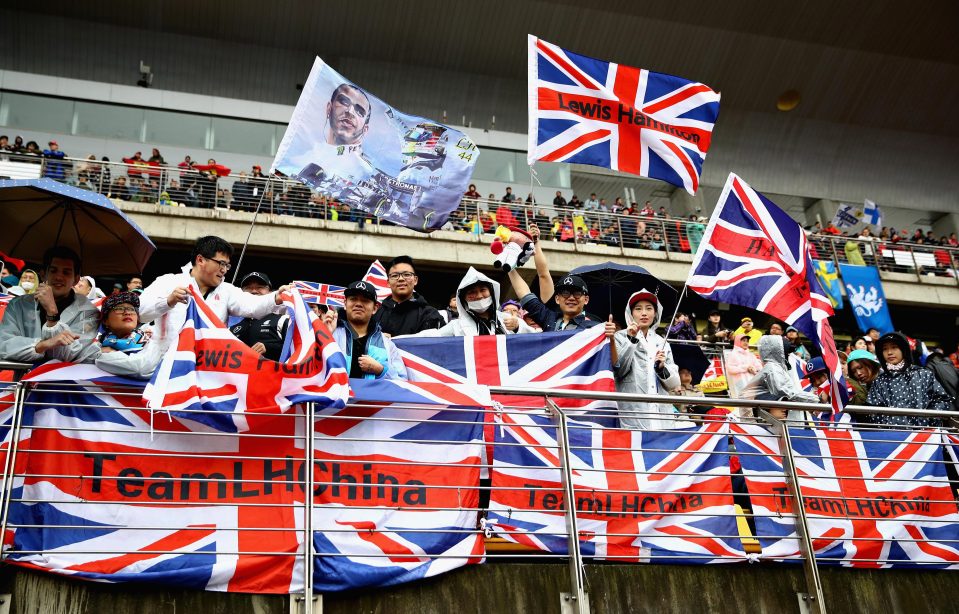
{"x": 662, "y": 224}
{"x": 814, "y": 596}
{"x": 10, "y": 462}
{"x": 619, "y": 230}
{"x": 576, "y": 600}
{"x": 916, "y": 267}
{"x": 308, "y": 554}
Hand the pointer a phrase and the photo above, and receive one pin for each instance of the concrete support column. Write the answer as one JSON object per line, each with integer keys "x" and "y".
{"x": 821, "y": 210}
{"x": 946, "y": 225}
{"x": 682, "y": 203}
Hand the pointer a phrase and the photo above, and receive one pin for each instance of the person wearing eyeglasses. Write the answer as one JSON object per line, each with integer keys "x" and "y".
{"x": 123, "y": 340}
{"x": 404, "y": 311}
{"x": 164, "y": 301}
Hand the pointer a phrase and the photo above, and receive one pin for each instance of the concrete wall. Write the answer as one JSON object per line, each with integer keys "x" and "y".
{"x": 525, "y": 588}
{"x": 330, "y": 242}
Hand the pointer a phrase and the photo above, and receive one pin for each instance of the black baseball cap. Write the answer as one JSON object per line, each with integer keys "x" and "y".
{"x": 361, "y": 288}
{"x": 572, "y": 283}
{"x": 254, "y": 276}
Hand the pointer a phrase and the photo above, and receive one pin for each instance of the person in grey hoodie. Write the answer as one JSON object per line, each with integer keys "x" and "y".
{"x": 774, "y": 382}
{"x": 477, "y": 297}
{"x": 643, "y": 364}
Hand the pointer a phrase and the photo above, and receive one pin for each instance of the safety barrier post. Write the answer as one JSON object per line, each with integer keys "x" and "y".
{"x": 310, "y": 480}
{"x": 10, "y": 462}
{"x": 812, "y": 601}
{"x": 576, "y": 601}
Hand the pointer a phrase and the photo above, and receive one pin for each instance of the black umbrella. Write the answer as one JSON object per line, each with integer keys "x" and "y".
{"x": 611, "y": 284}
{"x": 690, "y": 357}
{"x": 41, "y": 213}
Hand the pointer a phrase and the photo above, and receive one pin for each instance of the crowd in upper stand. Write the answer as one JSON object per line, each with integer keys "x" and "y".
{"x": 59, "y": 313}
{"x": 593, "y": 220}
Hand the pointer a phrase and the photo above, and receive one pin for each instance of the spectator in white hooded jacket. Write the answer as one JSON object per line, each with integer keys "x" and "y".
{"x": 643, "y": 364}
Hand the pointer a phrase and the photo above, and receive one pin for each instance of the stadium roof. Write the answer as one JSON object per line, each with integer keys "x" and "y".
{"x": 876, "y": 64}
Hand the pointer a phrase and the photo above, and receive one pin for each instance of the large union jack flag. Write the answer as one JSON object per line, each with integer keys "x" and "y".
{"x": 872, "y": 498}
{"x": 105, "y": 490}
{"x": 640, "y": 496}
{"x": 588, "y": 111}
{"x": 553, "y": 360}
{"x": 753, "y": 254}
{"x": 209, "y": 369}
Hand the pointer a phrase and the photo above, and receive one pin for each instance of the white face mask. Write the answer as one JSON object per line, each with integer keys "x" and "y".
{"x": 27, "y": 285}
{"x": 481, "y": 305}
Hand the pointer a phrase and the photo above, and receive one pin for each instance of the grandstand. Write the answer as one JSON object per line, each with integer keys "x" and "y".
{"x": 822, "y": 104}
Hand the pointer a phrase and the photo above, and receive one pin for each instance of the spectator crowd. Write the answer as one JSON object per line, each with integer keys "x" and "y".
{"x": 58, "y": 313}
{"x": 595, "y": 220}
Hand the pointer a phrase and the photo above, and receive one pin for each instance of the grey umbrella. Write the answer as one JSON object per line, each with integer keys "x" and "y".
{"x": 40, "y": 213}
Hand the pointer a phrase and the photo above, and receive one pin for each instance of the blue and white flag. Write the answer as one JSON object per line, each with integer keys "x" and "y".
{"x": 847, "y": 216}
{"x": 871, "y": 214}
{"x": 348, "y": 144}
{"x": 865, "y": 296}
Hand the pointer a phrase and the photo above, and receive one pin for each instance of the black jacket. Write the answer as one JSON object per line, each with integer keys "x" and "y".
{"x": 409, "y": 317}
{"x": 270, "y": 331}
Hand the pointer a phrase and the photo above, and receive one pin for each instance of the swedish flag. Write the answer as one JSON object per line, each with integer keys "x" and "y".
{"x": 829, "y": 279}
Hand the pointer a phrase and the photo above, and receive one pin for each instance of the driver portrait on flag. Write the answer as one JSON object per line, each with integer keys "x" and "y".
{"x": 346, "y": 143}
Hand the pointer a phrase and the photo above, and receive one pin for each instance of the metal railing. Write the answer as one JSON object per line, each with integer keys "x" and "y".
{"x": 577, "y": 227}
{"x": 168, "y": 489}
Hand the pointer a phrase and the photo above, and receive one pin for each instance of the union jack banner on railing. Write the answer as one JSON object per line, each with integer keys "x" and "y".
{"x": 872, "y": 498}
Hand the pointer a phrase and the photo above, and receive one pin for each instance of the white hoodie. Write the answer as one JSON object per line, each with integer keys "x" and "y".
{"x": 635, "y": 372}
{"x": 466, "y": 325}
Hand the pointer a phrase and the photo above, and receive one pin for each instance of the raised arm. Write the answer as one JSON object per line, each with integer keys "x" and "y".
{"x": 542, "y": 267}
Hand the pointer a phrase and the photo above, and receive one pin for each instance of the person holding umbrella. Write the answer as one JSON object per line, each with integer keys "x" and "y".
{"x": 53, "y": 322}
{"x": 643, "y": 363}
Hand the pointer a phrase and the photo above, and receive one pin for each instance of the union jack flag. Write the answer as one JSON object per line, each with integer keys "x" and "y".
{"x": 872, "y": 498}
{"x": 208, "y": 369}
{"x": 640, "y": 496}
{"x": 377, "y": 276}
{"x": 184, "y": 524}
{"x": 588, "y": 111}
{"x": 201, "y": 518}
{"x": 321, "y": 294}
{"x": 553, "y": 361}
{"x": 753, "y": 254}
{"x": 403, "y": 508}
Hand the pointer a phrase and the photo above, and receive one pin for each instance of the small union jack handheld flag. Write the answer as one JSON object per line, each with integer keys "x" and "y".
{"x": 588, "y": 111}
{"x": 753, "y": 254}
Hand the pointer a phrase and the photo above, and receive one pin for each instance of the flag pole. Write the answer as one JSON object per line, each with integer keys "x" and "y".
{"x": 236, "y": 269}
{"x": 675, "y": 311}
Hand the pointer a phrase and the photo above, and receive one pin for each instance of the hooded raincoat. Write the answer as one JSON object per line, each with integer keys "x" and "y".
{"x": 774, "y": 382}
{"x": 635, "y": 372}
{"x": 468, "y": 323}
{"x": 909, "y": 386}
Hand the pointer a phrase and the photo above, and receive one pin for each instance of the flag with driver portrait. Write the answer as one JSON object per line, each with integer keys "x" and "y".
{"x": 348, "y": 144}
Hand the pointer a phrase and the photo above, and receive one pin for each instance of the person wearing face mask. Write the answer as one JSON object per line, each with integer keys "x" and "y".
{"x": 29, "y": 281}
{"x": 477, "y": 298}
{"x": 643, "y": 363}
